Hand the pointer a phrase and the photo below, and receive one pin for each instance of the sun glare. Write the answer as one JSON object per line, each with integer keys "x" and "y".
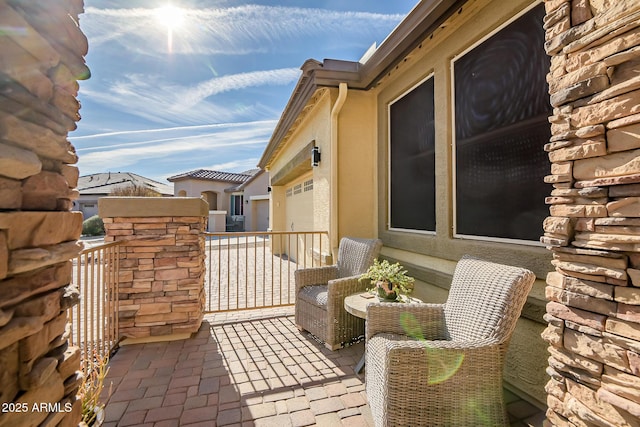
{"x": 170, "y": 16}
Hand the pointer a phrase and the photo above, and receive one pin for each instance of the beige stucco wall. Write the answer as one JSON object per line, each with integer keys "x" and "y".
{"x": 252, "y": 192}
{"x": 314, "y": 126}
{"x": 357, "y": 208}
{"x": 432, "y": 257}
{"x": 195, "y": 187}
{"x": 356, "y": 160}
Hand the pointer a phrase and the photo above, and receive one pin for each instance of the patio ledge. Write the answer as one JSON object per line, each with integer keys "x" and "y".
{"x": 152, "y": 339}
{"x": 140, "y": 207}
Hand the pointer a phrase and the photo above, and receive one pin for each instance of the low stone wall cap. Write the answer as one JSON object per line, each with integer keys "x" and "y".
{"x": 114, "y": 207}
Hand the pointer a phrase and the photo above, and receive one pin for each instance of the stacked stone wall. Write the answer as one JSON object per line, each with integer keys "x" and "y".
{"x": 41, "y": 59}
{"x": 593, "y": 230}
{"x": 161, "y": 277}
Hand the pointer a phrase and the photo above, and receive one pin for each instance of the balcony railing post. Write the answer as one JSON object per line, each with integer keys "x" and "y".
{"x": 259, "y": 277}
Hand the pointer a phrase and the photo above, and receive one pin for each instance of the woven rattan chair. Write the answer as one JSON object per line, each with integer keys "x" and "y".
{"x": 320, "y": 293}
{"x": 441, "y": 364}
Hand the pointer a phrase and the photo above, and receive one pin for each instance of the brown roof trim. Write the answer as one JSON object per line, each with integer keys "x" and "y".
{"x": 423, "y": 20}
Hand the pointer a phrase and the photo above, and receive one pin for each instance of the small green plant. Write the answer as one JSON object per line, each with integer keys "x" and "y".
{"x": 91, "y": 388}
{"x": 93, "y": 226}
{"x": 392, "y": 279}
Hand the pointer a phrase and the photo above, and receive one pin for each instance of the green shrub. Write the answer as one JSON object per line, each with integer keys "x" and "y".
{"x": 93, "y": 226}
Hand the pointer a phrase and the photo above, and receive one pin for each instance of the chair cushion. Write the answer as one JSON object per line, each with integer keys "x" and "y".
{"x": 314, "y": 294}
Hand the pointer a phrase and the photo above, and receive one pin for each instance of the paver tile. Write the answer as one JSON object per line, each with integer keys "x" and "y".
{"x": 197, "y": 415}
{"x": 132, "y": 418}
{"x": 163, "y": 413}
{"x": 303, "y": 418}
{"x": 330, "y": 419}
{"x": 145, "y": 403}
{"x": 250, "y": 373}
{"x": 185, "y": 381}
{"x": 353, "y": 400}
{"x": 262, "y": 410}
{"x": 276, "y": 421}
{"x": 323, "y": 406}
{"x": 128, "y": 395}
{"x": 115, "y": 411}
{"x": 229, "y": 416}
{"x": 196, "y": 402}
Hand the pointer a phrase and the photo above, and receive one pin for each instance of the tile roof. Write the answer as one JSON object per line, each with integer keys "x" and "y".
{"x": 210, "y": 175}
{"x": 105, "y": 183}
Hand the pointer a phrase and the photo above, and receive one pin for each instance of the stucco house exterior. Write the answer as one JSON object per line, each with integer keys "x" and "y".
{"x": 237, "y": 201}
{"x": 94, "y": 186}
{"x": 444, "y": 141}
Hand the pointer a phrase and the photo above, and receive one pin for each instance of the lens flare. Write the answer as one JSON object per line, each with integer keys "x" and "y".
{"x": 442, "y": 364}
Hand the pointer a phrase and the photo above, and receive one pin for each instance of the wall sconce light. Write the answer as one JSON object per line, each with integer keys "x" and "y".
{"x": 315, "y": 156}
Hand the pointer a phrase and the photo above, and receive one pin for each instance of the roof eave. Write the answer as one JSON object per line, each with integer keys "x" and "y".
{"x": 423, "y": 20}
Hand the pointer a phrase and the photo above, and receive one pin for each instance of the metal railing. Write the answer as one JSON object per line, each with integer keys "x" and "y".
{"x": 94, "y": 321}
{"x": 251, "y": 270}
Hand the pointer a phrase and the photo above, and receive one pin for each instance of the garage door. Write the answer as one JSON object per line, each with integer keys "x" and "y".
{"x": 299, "y": 204}
{"x": 261, "y": 214}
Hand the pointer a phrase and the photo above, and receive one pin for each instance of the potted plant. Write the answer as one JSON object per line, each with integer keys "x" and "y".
{"x": 388, "y": 280}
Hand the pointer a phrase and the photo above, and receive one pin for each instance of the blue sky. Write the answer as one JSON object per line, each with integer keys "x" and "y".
{"x": 202, "y": 86}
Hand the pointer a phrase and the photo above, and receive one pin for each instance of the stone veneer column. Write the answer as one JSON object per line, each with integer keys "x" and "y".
{"x": 594, "y": 228}
{"x": 41, "y": 59}
{"x": 161, "y": 282}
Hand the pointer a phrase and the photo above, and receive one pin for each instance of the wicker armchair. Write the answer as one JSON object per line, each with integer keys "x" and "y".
{"x": 320, "y": 293}
{"x": 441, "y": 364}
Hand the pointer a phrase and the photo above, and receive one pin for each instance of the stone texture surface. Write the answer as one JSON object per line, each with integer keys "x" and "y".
{"x": 38, "y": 234}
{"x": 161, "y": 278}
{"x": 593, "y": 312}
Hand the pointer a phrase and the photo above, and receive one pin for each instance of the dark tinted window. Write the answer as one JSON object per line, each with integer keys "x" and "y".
{"x": 501, "y": 125}
{"x": 413, "y": 160}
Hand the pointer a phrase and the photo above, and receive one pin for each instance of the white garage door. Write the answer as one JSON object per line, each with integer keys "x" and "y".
{"x": 299, "y": 203}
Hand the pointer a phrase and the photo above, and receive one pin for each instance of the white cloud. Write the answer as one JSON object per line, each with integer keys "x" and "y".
{"x": 153, "y": 98}
{"x": 234, "y": 30}
{"x": 188, "y": 129}
{"x": 173, "y": 146}
{"x": 235, "y": 165}
{"x": 218, "y": 85}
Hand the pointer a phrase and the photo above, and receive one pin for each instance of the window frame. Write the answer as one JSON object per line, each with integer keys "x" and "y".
{"x": 454, "y": 172}
{"x": 431, "y": 75}
{"x": 232, "y": 204}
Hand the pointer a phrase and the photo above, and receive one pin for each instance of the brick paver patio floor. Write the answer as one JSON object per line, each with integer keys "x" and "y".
{"x": 247, "y": 369}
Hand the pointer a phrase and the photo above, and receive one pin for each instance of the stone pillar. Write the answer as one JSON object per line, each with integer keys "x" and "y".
{"x": 161, "y": 279}
{"x": 593, "y": 309}
{"x": 41, "y": 59}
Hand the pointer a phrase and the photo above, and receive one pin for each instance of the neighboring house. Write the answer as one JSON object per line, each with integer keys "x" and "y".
{"x": 237, "y": 201}
{"x": 92, "y": 187}
{"x": 418, "y": 148}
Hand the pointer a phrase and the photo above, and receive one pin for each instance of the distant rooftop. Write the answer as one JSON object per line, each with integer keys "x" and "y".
{"x": 105, "y": 183}
{"x": 209, "y": 175}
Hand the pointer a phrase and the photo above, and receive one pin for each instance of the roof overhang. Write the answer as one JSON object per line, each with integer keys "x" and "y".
{"x": 422, "y": 21}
